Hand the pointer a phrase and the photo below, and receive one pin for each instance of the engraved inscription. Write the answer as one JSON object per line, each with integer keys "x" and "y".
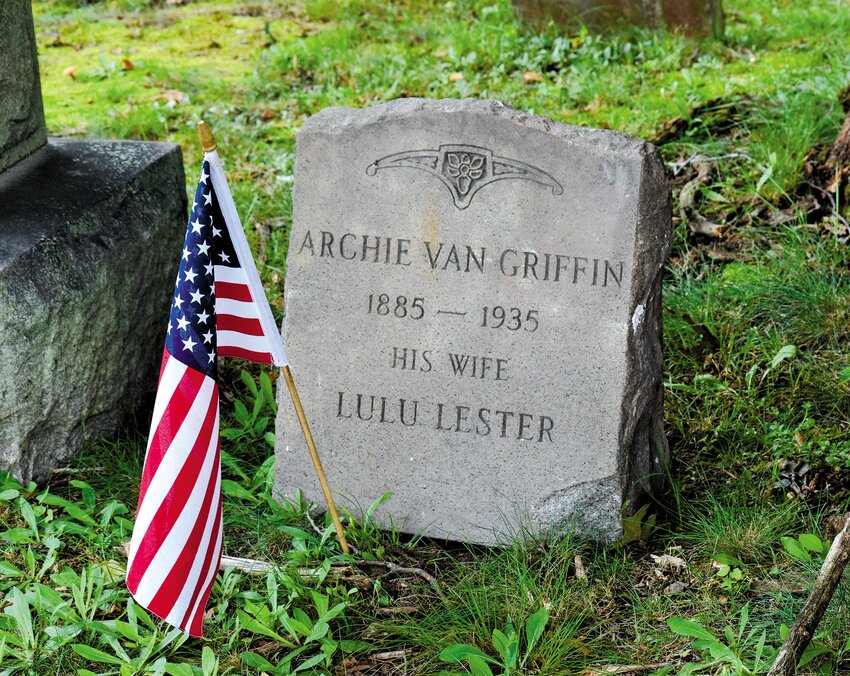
{"x": 465, "y": 169}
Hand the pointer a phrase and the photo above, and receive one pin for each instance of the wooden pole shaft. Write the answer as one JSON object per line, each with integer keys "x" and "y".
{"x": 314, "y": 456}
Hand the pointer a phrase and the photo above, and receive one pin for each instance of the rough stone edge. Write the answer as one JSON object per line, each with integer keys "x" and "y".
{"x": 645, "y": 451}
{"x": 338, "y": 120}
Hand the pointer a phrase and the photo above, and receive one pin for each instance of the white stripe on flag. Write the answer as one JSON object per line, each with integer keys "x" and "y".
{"x": 214, "y": 564}
{"x": 243, "y": 340}
{"x": 171, "y": 376}
{"x": 238, "y": 308}
{"x": 232, "y": 275}
{"x": 190, "y": 586}
{"x": 175, "y": 543}
{"x": 173, "y": 460}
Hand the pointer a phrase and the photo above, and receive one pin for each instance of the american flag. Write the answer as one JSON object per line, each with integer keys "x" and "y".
{"x": 219, "y": 309}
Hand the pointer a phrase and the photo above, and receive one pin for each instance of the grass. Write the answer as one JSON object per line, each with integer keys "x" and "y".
{"x": 737, "y": 122}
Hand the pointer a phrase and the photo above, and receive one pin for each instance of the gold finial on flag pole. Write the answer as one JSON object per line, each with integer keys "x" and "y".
{"x": 208, "y": 142}
{"x": 206, "y": 136}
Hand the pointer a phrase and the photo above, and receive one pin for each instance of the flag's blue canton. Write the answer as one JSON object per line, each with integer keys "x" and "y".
{"x": 191, "y": 336}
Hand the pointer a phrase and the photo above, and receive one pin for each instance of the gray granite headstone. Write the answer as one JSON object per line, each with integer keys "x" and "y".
{"x": 22, "y": 127}
{"x": 473, "y": 318}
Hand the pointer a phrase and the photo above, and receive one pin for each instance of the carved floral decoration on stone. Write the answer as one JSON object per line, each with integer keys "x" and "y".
{"x": 464, "y": 168}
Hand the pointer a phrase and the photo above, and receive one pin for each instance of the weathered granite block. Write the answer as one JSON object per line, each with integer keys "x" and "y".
{"x": 22, "y": 127}
{"x": 473, "y": 318}
{"x": 697, "y": 18}
{"x": 90, "y": 233}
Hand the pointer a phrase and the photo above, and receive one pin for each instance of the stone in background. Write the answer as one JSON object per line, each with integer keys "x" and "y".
{"x": 696, "y": 18}
{"x": 21, "y": 114}
{"x": 90, "y": 235}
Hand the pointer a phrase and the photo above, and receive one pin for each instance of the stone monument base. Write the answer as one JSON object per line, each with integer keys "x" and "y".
{"x": 90, "y": 234}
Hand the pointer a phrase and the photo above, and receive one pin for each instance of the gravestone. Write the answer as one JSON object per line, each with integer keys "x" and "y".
{"x": 473, "y": 318}
{"x": 696, "y": 18}
{"x": 90, "y": 232}
{"x": 22, "y": 127}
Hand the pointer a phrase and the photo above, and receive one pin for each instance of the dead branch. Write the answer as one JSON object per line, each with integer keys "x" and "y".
{"x": 402, "y": 570}
{"x": 813, "y": 610}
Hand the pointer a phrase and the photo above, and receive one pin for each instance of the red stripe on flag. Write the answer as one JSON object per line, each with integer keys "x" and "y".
{"x": 212, "y": 560}
{"x": 172, "y": 419}
{"x": 233, "y": 291}
{"x": 234, "y": 351}
{"x": 174, "y": 583}
{"x": 250, "y": 326}
{"x": 174, "y": 501}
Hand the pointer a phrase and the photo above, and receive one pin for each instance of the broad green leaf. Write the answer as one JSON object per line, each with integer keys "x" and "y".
{"x": 320, "y": 601}
{"x": 844, "y": 374}
{"x": 256, "y": 661}
{"x": 209, "y": 663}
{"x": 683, "y": 627}
{"x": 784, "y": 353}
{"x": 95, "y": 655}
{"x": 248, "y": 381}
{"x": 727, "y": 559}
{"x": 312, "y": 662}
{"x": 268, "y": 390}
{"x": 794, "y": 549}
{"x": 811, "y": 652}
{"x": 478, "y": 666}
{"x": 333, "y": 612}
{"x": 350, "y": 646}
{"x": 320, "y": 630}
{"x": 235, "y": 490}
{"x": 461, "y": 651}
{"x": 20, "y": 610}
{"x": 241, "y": 413}
{"x": 173, "y": 669}
{"x": 500, "y": 643}
{"x": 811, "y": 542}
{"x": 256, "y": 627}
{"x": 8, "y": 570}
{"x": 9, "y": 494}
{"x": 128, "y": 631}
{"x": 377, "y": 503}
{"x": 18, "y": 536}
{"x": 534, "y": 628}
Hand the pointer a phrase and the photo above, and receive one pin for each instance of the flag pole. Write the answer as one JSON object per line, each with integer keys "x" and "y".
{"x": 208, "y": 142}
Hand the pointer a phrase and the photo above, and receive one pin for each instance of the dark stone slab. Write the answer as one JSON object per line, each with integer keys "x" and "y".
{"x": 90, "y": 234}
{"x": 22, "y": 127}
{"x": 697, "y": 18}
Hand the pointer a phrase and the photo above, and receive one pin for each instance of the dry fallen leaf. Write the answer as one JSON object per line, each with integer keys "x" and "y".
{"x": 170, "y": 96}
{"x": 700, "y": 225}
{"x": 126, "y": 64}
{"x": 668, "y": 562}
{"x": 71, "y": 72}
{"x": 675, "y": 588}
{"x": 268, "y": 114}
{"x": 530, "y": 76}
{"x": 454, "y": 77}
